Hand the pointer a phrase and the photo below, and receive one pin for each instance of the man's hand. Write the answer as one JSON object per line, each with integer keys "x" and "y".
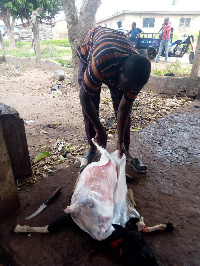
{"x": 121, "y": 149}
{"x": 101, "y": 137}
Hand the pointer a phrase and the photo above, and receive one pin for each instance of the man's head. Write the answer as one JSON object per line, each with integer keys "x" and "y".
{"x": 133, "y": 25}
{"x": 166, "y": 21}
{"x": 119, "y": 23}
{"x": 134, "y": 73}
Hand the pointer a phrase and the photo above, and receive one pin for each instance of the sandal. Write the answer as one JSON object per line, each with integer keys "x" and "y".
{"x": 138, "y": 165}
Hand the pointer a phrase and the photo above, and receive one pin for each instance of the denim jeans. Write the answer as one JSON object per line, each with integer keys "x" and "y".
{"x": 164, "y": 45}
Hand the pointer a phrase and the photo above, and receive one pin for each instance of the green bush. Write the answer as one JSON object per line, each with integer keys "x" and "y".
{"x": 176, "y": 68}
{"x": 65, "y": 63}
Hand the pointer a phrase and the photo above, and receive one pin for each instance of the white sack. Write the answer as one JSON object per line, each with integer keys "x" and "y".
{"x": 100, "y": 198}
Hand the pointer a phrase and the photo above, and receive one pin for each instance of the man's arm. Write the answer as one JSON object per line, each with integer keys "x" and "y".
{"x": 123, "y": 113}
{"x": 90, "y": 111}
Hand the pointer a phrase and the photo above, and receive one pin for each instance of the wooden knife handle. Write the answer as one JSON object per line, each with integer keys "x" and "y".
{"x": 53, "y": 196}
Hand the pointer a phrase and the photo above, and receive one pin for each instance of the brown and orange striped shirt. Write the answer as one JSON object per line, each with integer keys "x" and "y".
{"x": 104, "y": 51}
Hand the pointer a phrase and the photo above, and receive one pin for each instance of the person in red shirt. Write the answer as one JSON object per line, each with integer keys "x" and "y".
{"x": 165, "y": 41}
{"x": 108, "y": 57}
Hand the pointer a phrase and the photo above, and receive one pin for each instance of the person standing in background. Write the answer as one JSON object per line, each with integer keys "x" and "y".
{"x": 119, "y": 27}
{"x": 134, "y": 33}
{"x": 165, "y": 39}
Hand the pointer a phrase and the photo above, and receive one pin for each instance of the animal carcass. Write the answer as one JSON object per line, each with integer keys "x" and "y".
{"x": 101, "y": 198}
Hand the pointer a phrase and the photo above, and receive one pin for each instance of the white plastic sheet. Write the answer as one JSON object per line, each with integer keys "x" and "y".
{"x": 100, "y": 198}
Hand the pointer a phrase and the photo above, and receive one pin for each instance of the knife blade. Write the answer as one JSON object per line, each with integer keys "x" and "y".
{"x": 45, "y": 204}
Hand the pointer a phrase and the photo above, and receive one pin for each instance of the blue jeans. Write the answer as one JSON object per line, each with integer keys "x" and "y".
{"x": 164, "y": 45}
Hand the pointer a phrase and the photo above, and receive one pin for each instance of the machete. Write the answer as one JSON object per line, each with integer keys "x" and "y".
{"x": 45, "y": 204}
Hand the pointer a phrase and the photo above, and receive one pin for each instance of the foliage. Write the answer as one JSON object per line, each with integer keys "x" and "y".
{"x": 173, "y": 68}
{"x": 65, "y": 63}
{"x": 57, "y": 50}
{"x": 23, "y": 8}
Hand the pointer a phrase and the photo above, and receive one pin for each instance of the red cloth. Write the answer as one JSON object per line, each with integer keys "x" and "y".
{"x": 166, "y": 31}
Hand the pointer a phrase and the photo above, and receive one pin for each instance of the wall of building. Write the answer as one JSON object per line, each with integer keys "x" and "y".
{"x": 25, "y": 33}
{"x": 60, "y": 30}
{"x": 127, "y": 20}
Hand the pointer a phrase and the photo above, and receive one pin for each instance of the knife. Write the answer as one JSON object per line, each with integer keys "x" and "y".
{"x": 45, "y": 204}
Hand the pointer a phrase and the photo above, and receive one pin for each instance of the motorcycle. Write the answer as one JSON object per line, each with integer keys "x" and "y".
{"x": 181, "y": 47}
{"x": 177, "y": 48}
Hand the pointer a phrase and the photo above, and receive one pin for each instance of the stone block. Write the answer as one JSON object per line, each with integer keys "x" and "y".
{"x": 59, "y": 75}
{"x": 8, "y": 192}
{"x": 13, "y": 132}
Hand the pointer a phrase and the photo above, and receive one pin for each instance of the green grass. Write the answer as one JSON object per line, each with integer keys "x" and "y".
{"x": 56, "y": 50}
{"x": 175, "y": 68}
{"x": 65, "y": 63}
{"x": 50, "y": 51}
{"x": 61, "y": 42}
{"x": 20, "y": 53}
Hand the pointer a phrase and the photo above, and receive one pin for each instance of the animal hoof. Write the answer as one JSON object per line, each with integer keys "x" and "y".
{"x": 170, "y": 226}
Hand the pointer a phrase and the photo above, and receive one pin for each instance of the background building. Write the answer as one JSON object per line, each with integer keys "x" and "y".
{"x": 183, "y": 22}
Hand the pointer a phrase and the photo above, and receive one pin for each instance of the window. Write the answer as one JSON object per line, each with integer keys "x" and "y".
{"x": 185, "y": 22}
{"x": 148, "y": 22}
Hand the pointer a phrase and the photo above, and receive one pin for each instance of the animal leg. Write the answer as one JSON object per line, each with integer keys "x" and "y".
{"x": 160, "y": 227}
{"x": 28, "y": 229}
{"x": 131, "y": 197}
{"x": 51, "y": 228}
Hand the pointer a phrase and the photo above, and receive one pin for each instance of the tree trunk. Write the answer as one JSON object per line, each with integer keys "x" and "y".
{"x": 9, "y": 23}
{"x": 35, "y": 28}
{"x": 192, "y": 85}
{"x": 11, "y": 37}
{"x": 2, "y": 45}
{"x": 36, "y": 40}
{"x": 79, "y": 26}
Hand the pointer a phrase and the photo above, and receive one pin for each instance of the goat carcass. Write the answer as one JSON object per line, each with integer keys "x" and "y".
{"x": 100, "y": 198}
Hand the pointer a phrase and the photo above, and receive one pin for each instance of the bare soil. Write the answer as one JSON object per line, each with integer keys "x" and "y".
{"x": 169, "y": 145}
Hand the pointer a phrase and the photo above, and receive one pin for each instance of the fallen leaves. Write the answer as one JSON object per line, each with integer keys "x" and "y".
{"x": 41, "y": 156}
{"x": 147, "y": 108}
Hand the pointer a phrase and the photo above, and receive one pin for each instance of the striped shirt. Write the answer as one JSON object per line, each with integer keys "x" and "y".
{"x": 104, "y": 51}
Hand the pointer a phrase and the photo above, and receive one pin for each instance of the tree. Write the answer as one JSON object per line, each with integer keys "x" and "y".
{"x": 7, "y": 10}
{"x": 78, "y": 26}
{"x": 192, "y": 85}
{"x": 10, "y": 10}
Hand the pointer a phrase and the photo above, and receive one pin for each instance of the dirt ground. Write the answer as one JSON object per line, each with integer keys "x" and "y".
{"x": 169, "y": 146}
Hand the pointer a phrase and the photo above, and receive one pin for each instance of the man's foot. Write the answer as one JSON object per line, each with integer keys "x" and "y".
{"x": 136, "y": 164}
{"x": 91, "y": 155}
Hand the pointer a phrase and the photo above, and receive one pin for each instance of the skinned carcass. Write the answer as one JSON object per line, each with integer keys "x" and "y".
{"x": 102, "y": 206}
{"x": 100, "y": 197}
